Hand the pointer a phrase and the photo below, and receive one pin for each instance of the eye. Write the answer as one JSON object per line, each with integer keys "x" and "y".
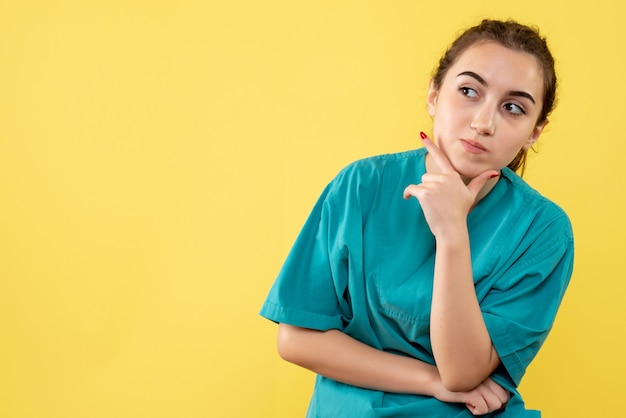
{"x": 469, "y": 92}
{"x": 514, "y": 109}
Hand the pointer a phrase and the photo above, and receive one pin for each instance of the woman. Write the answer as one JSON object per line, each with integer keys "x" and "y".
{"x": 435, "y": 304}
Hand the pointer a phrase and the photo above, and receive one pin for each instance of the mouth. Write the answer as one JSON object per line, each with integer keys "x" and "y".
{"x": 473, "y": 147}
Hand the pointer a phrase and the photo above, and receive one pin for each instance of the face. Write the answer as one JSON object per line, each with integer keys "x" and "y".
{"x": 487, "y": 107}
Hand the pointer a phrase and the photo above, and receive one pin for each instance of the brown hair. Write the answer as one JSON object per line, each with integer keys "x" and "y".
{"x": 517, "y": 37}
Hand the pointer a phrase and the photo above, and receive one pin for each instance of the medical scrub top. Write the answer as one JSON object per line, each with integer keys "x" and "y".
{"x": 364, "y": 261}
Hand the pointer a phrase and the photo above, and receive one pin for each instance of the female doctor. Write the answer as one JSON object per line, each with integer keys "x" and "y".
{"x": 424, "y": 282}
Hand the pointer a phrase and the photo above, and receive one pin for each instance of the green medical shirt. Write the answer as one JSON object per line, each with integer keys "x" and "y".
{"x": 363, "y": 264}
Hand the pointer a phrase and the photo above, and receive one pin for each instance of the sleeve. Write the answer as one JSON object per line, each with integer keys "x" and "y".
{"x": 520, "y": 310}
{"x": 311, "y": 288}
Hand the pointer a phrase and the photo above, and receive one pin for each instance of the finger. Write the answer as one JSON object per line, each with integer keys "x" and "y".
{"x": 480, "y": 180}
{"x": 410, "y": 190}
{"x": 478, "y": 408}
{"x": 416, "y": 190}
{"x": 440, "y": 159}
{"x": 498, "y": 390}
{"x": 492, "y": 400}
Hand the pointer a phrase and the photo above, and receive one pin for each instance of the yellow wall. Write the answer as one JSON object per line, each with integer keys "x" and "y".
{"x": 157, "y": 159}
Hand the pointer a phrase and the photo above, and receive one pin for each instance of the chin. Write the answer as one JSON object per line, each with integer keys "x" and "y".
{"x": 469, "y": 172}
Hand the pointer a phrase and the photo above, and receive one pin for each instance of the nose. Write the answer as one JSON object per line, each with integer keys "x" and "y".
{"x": 484, "y": 119}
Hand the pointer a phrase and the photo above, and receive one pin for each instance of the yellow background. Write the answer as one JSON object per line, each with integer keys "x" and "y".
{"x": 157, "y": 159}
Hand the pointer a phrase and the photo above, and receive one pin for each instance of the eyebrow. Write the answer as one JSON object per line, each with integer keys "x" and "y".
{"x": 482, "y": 81}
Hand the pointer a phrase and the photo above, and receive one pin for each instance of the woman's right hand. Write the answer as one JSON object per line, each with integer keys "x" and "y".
{"x": 483, "y": 399}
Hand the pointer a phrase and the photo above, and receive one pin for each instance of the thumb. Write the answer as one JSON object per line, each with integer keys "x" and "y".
{"x": 478, "y": 182}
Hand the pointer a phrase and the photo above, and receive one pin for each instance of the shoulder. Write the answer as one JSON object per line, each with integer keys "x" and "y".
{"x": 533, "y": 206}
{"x": 371, "y": 176}
{"x": 373, "y": 169}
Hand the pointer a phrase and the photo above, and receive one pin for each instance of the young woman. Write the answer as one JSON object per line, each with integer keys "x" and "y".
{"x": 425, "y": 282}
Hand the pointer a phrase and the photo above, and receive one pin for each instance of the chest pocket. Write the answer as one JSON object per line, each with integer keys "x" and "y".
{"x": 404, "y": 282}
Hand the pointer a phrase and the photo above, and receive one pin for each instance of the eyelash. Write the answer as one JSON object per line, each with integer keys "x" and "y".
{"x": 465, "y": 91}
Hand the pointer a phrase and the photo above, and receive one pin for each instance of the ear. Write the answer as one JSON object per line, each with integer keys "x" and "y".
{"x": 431, "y": 98}
{"x": 535, "y": 134}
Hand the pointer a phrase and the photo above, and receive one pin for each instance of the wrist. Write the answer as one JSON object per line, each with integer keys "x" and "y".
{"x": 452, "y": 237}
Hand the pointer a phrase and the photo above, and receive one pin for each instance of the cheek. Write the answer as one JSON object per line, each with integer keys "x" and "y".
{"x": 447, "y": 121}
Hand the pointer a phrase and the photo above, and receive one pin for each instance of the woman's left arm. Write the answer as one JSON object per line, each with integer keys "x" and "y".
{"x": 462, "y": 347}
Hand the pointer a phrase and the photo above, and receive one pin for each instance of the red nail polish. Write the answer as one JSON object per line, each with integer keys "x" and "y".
{"x": 423, "y": 135}
{"x": 493, "y": 176}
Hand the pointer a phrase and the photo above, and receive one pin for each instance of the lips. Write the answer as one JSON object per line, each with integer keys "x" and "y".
{"x": 473, "y": 146}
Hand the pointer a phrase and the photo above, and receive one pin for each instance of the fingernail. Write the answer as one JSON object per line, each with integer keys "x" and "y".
{"x": 493, "y": 176}
{"x": 423, "y": 135}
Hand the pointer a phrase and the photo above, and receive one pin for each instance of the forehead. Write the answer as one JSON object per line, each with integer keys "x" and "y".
{"x": 501, "y": 67}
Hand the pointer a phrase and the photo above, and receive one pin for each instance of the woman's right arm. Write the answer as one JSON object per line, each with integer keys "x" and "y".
{"x": 340, "y": 357}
